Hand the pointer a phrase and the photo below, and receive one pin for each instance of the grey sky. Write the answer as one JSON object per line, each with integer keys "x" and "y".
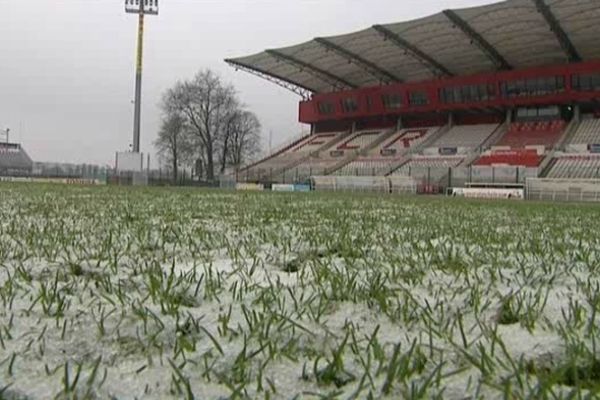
{"x": 67, "y": 66}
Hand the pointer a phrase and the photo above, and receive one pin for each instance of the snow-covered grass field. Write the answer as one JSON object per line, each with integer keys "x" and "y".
{"x": 164, "y": 293}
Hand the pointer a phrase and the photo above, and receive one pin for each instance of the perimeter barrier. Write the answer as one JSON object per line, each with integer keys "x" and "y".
{"x": 429, "y": 180}
{"x": 373, "y": 184}
{"x": 575, "y": 190}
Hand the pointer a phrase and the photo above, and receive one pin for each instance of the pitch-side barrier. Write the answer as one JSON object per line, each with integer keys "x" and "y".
{"x": 62, "y": 181}
{"x": 488, "y": 193}
{"x": 576, "y": 190}
{"x": 377, "y": 184}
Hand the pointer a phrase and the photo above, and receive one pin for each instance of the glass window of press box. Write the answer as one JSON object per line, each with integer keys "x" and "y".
{"x": 326, "y": 108}
{"x": 467, "y": 94}
{"x": 586, "y": 82}
{"x": 392, "y": 101}
{"x": 538, "y": 86}
{"x": 538, "y": 113}
{"x": 349, "y": 105}
{"x": 418, "y": 98}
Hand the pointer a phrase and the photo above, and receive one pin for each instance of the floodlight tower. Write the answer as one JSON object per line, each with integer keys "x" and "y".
{"x": 140, "y": 7}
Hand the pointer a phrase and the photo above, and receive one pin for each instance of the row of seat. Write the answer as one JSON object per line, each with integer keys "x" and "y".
{"x": 388, "y": 154}
{"x": 427, "y": 164}
{"x": 310, "y": 167}
{"x": 403, "y": 140}
{"x": 327, "y": 160}
{"x": 297, "y": 152}
{"x": 470, "y": 136}
{"x": 515, "y": 148}
{"x": 313, "y": 143}
{"x": 523, "y": 134}
{"x": 359, "y": 140}
{"x": 526, "y": 158}
{"x": 368, "y": 167}
{"x": 581, "y": 167}
{"x": 588, "y": 132}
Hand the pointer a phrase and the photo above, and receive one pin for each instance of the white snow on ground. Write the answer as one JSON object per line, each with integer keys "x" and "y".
{"x": 157, "y": 294}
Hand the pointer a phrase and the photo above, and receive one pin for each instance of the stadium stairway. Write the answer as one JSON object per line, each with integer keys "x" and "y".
{"x": 334, "y": 142}
{"x": 569, "y": 133}
{"x": 412, "y": 151}
{"x": 403, "y": 160}
{"x": 382, "y": 138}
{"x": 548, "y": 167}
{"x": 278, "y": 151}
{"x": 254, "y": 172}
{"x": 324, "y": 147}
{"x": 432, "y": 139}
{"x": 496, "y": 135}
{"x": 547, "y": 163}
{"x": 281, "y": 173}
{"x": 342, "y": 163}
{"x": 487, "y": 143}
{"x": 362, "y": 152}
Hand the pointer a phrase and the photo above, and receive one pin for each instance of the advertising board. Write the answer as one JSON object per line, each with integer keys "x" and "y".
{"x": 250, "y": 187}
{"x": 448, "y": 151}
{"x": 594, "y": 148}
{"x": 489, "y": 193}
{"x": 282, "y": 188}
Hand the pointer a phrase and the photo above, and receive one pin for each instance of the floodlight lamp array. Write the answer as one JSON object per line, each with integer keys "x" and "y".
{"x": 150, "y": 7}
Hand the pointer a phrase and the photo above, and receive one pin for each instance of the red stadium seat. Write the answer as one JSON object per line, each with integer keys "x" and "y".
{"x": 526, "y": 158}
{"x": 523, "y": 134}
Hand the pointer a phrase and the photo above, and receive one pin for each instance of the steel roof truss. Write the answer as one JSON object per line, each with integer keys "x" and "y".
{"x": 490, "y": 51}
{"x": 382, "y": 75}
{"x": 332, "y": 79}
{"x": 556, "y": 28}
{"x": 300, "y": 90}
{"x": 434, "y": 66}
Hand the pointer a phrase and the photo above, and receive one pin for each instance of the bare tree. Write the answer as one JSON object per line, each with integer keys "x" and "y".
{"x": 241, "y": 140}
{"x": 172, "y": 142}
{"x": 204, "y": 102}
{"x": 216, "y": 128}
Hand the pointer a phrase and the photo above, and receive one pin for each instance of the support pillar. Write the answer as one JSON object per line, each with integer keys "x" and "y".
{"x": 450, "y": 120}
{"x": 138, "y": 81}
{"x": 509, "y": 116}
{"x": 399, "y": 123}
{"x": 577, "y": 112}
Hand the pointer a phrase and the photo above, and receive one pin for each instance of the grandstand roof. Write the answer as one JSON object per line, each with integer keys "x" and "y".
{"x": 511, "y": 34}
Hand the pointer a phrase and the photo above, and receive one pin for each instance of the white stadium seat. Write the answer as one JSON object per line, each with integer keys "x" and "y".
{"x": 581, "y": 166}
{"x": 469, "y": 136}
{"x": 432, "y": 163}
{"x": 377, "y": 163}
{"x": 588, "y": 132}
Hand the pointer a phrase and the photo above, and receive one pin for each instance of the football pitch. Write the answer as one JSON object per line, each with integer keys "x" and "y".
{"x": 159, "y": 293}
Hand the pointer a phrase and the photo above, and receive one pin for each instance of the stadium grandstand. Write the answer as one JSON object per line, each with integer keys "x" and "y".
{"x": 508, "y": 89}
{"x": 14, "y": 160}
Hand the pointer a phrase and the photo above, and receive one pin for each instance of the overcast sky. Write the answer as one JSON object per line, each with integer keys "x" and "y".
{"x": 67, "y": 66}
